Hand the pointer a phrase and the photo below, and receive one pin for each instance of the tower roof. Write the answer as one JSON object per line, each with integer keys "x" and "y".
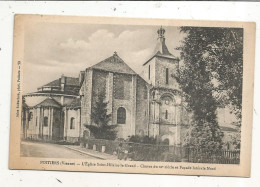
{"x": 161, "y": 49}
{"x": 114, "y": 64}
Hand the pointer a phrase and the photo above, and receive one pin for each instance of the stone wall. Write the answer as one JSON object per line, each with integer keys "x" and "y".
{"x": 36, "y": 128}
{"x": 128, "y": 83}
{"x": 33, "y": 123}
{"x": 86, "y": 100}
{"x": 160, "y": 76}
{"x": 169, "y": 132}
{"x": 73, "y": 133}
{"x": 120, "y": 91}
{"x": 57, "y": 126}
{"x": 47, "y": 129}
{"x": 145, "y": 72}
{"x": 142, "y": 107}
{"x": 98, "y": 84}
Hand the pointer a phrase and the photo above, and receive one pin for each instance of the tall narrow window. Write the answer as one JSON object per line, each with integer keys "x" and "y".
{"x": 45, "y": 121}
{"x": 30, "y": 116}
{"x": 72, "y": 123}
{"x": 167, "y": 76}
{"x": 149, "y": 72}
{"x": 166, "y": 114}
{"x": 121, "y": 115}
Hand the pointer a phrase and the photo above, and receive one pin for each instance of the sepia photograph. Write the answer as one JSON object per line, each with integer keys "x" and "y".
{"x": 132, "y": 95}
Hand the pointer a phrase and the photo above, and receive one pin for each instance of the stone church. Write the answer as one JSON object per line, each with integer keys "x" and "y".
{"x": 147, "y": 104}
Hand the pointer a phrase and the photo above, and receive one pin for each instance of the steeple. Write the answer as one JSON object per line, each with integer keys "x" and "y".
{"x": 161, "y": 49}
{"x": 161, "y": 46}
{"x": 161, "y": 32}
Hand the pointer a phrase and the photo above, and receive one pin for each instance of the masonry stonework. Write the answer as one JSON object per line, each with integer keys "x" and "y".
{"x": 152, "y": 102}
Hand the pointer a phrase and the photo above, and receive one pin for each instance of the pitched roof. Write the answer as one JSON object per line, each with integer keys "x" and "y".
{"x": 161, "y": 47}
{"x": 72, "y": 86}
{"x": 158, "y": 54}
{"x": 114, "y": 64}
{"x": 53, "y": 83}
{"x": 75, "y": 104}
{"x": 72, "y": 81}
{"x": 49, "y": 102}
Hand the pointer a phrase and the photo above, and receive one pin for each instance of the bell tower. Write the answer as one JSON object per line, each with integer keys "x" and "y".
{"x": 161, "y": 71}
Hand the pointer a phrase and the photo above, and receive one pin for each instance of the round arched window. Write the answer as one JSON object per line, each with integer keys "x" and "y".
{"x": 30, "y": 116}
{"x": 121, "y": 115}
{"x": 72, "y": 123}
{"x": 167, "y": 100}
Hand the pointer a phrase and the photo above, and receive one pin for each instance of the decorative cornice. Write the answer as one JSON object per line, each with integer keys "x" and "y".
{"x": 47, "y": 94}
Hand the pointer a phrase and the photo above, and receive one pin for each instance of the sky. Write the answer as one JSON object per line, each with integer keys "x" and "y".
{"x": 53, "y": 49}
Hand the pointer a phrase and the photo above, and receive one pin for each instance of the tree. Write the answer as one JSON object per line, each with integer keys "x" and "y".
{"x": 212, "y": 67}
{"x": 101, "y": 128}
{"x": 222, "y": 50}
{"x": 230, "y": 68}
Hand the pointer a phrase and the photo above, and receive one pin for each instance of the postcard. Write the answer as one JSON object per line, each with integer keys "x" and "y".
{"x": 124, "y": 95}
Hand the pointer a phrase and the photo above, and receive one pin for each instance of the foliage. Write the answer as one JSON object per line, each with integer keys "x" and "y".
{"x": 101, "y": 128}
{"x": 213, "y": 68}
{"x": 142, "y": 139}
{"x": 236, "y": 137}
{"x": 236, "y": 140}
{"x": 211, "y": 71}
{"x": 205, "y": 137}
{"x": 220, "y": 51}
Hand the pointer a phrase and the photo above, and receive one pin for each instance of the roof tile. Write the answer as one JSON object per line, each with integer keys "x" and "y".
{"x": 49, "y": 102}
{"x": 114, "y": 64}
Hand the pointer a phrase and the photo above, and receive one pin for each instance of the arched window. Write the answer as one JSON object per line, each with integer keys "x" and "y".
{"x": 45, "y": 121}
{"x": 167, "y": 110}
{"x": 121, "y": 115}
{"x": 166, "y": 114}
{"x": 72, "y": 123}
{"x": 30, "y": 116}
{"x": 166, "y": 141}
{"x": 167, "y": 76}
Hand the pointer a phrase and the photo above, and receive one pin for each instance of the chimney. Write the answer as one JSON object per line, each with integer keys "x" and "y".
{"x": 63, "y": 82}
